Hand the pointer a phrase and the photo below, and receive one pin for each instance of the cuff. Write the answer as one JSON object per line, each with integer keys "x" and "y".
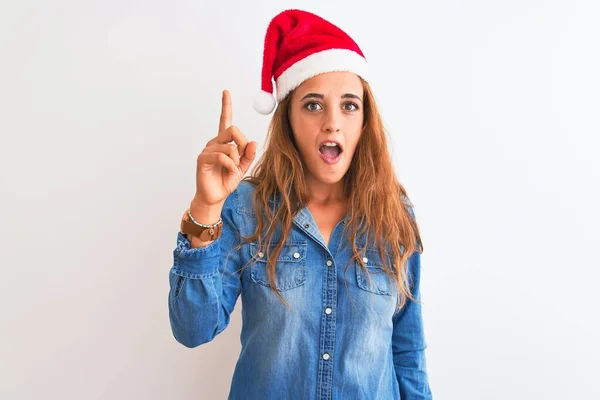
{"x": 197, "y": 262}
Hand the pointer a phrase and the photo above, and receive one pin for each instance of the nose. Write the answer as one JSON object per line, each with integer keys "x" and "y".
{"x": 332, "y": 121}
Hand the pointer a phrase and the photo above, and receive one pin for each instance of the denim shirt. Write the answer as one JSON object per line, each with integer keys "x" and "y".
{"x": 342, "y": 338}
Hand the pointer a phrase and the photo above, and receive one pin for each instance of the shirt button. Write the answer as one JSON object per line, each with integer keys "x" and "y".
{"x": 328, "y": 310}
{"x": 296, "y": 255}
{"x": 329, "y": 263}
{"x": 365, "y": 259}
{"x": 325, "y": 356}
{"x": 260, "y": 254}
{"x": 306, "y": 226}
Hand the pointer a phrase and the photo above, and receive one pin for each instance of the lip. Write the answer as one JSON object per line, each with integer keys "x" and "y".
{"x": 330, "y": 160}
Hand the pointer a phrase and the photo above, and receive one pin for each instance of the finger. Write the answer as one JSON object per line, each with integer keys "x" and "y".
{"x": 225, "y": 121}
{"x": 219, "y": 158}
{"x": 213, "y": 141}
{"x": 248, "y": 157}
{"x": 233, "y": 133}
{"x": 229, "y": 149}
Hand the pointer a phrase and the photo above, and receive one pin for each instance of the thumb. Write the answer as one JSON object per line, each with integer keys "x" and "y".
{"x": 248, "y": 157}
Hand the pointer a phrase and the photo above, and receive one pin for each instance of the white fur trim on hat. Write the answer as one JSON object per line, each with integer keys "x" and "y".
{"x": 317, "y": 63}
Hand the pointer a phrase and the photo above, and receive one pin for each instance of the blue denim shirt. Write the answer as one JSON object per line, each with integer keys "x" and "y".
{"x": 341, "y": 340}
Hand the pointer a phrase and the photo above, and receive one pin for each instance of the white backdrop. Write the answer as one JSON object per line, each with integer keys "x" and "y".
{"x": 493, "y": 110}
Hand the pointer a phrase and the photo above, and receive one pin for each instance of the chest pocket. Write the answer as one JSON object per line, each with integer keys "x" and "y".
{"x": 291, "y": 266}
{"x": 380, "y": 282}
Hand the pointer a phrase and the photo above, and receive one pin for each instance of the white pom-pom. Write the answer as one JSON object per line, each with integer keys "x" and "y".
{"x": 264, "y": 102}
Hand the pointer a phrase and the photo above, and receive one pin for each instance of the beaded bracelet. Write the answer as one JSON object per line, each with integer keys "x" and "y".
{"x": 202, "y": 225}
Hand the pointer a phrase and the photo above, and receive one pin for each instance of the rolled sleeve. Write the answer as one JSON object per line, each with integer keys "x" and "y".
{"x": 205, "y": 282}
{"x": 197, "y": 262}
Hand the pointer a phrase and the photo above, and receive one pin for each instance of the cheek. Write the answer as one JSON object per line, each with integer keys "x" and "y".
{"x": 355, "y": 131}
{"x": 304, "y": 133}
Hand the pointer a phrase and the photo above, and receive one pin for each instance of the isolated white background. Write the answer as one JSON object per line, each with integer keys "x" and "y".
{"x": 493, "y": 110}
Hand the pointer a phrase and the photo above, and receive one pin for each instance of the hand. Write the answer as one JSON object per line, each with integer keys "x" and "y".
{"x": 221, "y": 164}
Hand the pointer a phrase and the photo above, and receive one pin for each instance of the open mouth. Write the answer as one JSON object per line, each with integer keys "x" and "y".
{"x": 330, "y": 150}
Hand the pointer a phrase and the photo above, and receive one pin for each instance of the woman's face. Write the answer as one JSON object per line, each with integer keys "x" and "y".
{"x": 327, "y": 108}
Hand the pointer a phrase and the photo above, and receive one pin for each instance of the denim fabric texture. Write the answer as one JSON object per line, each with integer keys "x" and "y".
{"x": 341, "y": 340}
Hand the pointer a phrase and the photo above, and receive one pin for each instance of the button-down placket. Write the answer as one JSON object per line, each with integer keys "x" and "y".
{"x": 305, "y": 221}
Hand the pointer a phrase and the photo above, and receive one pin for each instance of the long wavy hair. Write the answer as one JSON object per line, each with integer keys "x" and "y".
{"x": 377, "y": 210}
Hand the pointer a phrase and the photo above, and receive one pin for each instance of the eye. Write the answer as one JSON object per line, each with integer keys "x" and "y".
{"x": 350, "y": 106}
{"x": 312, "y": 106}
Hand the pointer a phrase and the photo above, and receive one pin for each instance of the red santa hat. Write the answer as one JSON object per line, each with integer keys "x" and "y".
{"x": 298, "y": 46}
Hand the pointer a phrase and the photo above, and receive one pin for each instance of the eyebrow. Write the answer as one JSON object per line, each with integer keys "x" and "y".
{"x": 320, "y": 96}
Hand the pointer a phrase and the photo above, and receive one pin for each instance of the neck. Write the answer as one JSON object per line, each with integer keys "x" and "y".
{"x": 325, "y": 193}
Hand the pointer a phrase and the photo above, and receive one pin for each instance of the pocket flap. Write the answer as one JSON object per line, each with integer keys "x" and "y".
{"x": 291, "y": 252}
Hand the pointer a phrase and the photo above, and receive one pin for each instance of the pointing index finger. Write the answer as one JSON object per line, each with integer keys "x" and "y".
{"x": 225, "y": 121}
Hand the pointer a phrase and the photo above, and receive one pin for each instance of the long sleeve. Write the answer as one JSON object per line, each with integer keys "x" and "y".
{"x": 408, "y": 340}
{"x": 408, "y": 343}
{"x": 204, "y": 283}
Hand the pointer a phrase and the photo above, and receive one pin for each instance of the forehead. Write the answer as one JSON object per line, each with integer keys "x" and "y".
{"x": 331, "y": 83}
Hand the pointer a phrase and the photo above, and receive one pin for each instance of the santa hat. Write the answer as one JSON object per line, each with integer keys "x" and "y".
{"x": 298, "y": 46}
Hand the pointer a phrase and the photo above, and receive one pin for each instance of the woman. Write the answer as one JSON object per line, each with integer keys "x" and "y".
{"x": 320, "y": 240}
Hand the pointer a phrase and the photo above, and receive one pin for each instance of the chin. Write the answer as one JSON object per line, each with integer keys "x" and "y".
{"x": 327, "y": 175}
{"x": 331, "y": 178}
